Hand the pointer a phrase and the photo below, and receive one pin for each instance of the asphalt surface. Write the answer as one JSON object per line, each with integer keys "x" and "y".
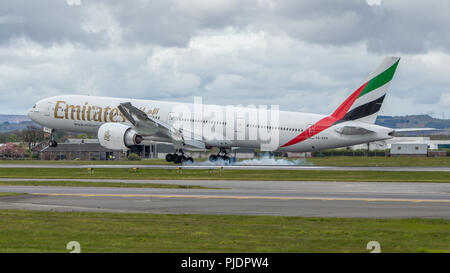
{"x": 288, "y": 198}
{"x": 206, "y": 166}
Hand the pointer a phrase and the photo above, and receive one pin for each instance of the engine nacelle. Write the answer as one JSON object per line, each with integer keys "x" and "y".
{"x": 117, "y": 136}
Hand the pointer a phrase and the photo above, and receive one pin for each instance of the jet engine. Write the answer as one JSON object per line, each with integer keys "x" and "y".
{"x": 117, "y": 136}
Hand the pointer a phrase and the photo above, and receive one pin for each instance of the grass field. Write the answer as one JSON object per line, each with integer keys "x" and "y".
{"x": 380, "y": 161}
{"x": 189, "y": 174}
{"x": 6, "y": 194}
{"x": 90, "y": 162}
{"x": 33, "y": 231}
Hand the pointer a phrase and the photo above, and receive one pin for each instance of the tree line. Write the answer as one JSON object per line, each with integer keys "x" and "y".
{"x": 28, "y": 142}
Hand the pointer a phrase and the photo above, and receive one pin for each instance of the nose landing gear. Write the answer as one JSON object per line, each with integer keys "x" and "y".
{"x": 179, "y": 157}
{"x": 52, "y": 142}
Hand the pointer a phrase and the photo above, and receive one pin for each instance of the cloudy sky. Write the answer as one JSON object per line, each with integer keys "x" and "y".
{"x": 301, "y": 55}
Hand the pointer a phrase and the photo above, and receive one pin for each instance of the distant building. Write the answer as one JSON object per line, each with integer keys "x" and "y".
{"x": 80, "y": 151}
{"x": 386, "y": 144}
{"x": 90, "y": 149}
{"x": 409, "y": 149}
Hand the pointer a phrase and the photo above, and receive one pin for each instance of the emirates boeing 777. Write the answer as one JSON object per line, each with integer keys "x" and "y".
{"x": 122, "y": 123}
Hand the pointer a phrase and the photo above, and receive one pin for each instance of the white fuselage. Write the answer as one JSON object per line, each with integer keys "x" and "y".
{"x": 217, "y": 126}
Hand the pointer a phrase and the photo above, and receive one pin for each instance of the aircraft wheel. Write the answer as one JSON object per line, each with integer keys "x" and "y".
{"x": 213, "y": 158}
{"x": 226, "y": 158}
{"x": 190, "y": 160}
{"x": 183, "y": 159}
{"x": 169, "y": 157}
{"x": 176, "y": 159}
{"x": 52, "y": 143}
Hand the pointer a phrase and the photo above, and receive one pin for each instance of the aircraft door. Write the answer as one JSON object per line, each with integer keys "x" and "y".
{"x": 47, "y": 107}
{"x": 240, "y": 129}
{"x": 171, "y": 117}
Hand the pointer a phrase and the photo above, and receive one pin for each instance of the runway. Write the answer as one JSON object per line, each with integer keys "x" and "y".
{"x": 232, "y": 167}
{"x": 284, "y": 198}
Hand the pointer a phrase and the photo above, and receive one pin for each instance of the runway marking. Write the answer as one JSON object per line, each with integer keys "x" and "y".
{"x": 249, "y": 197}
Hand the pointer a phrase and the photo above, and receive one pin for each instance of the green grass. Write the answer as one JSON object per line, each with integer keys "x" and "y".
{"x": 381, "y": 161}
{"x": 34, "y": 231}
{"x": 360, "y": 161}
{"x": 190, "y": 174}
{"x": 88, "y": 162}
{"x": 98, "y": 184}
{"x": 6, "y": 194}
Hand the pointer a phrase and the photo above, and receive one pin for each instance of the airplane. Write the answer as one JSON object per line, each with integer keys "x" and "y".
{"x": 122, "y": 123}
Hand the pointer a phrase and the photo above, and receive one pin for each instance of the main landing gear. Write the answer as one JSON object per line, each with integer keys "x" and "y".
{"x": 222, "y": 155}
{"x": 179, "y": 157}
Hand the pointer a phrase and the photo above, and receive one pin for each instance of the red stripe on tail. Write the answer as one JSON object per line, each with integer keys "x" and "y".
{"x": 326, "y": 122}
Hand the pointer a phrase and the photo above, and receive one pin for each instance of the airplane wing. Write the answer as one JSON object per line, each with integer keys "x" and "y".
{"x": 149, "y": 126}
{"x": 353, "y": 130}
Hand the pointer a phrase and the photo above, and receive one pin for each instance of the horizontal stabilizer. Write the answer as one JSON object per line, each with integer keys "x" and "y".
{"x": 414, "y": 129}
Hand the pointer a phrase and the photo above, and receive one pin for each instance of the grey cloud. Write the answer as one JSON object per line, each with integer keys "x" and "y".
{"x": 46, "y": 22}
{"x": 401, "y": 26}
{"x": 153, "y": 22}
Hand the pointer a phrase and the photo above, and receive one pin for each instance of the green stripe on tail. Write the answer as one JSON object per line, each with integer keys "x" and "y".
{"x": 380, "y": 79}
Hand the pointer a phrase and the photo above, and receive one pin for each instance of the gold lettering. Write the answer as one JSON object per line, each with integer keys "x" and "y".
{"x": 83, "y": 113}
{"x": 89, "y": 113}
{"x": 73, "y": 109}
{"x": 113, "y": 114}
{"x": 105, "y": 117}
{"x": 57, "y": 107}
{"x": 98, "y": 114}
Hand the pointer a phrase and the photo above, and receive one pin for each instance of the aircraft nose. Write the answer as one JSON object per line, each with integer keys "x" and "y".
{"x": 29, "y": 114}
{"x": 32, "y": 112}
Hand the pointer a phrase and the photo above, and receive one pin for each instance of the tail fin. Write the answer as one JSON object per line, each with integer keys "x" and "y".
{"x": 364, "y": 103}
